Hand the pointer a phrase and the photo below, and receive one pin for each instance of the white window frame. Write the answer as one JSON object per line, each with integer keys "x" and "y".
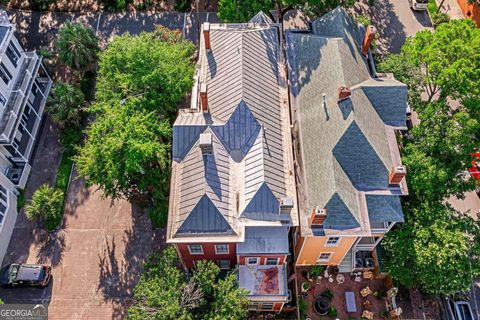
{"x": 247, "y": 262}
{"x": 195, "y": 253}
{"x": 229, "y": 264}
{"x": 325, "y": 260}
{"x": 226, "y": 245}
{"x": 276, "y": 263}
{"x": 253, "y": 306}
{"x": 267, "y": 303}
{"x": 335, "y": 244}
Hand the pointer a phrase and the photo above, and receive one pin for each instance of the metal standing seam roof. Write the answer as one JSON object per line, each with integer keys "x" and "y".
{"x": 248, "y": 172}
{"x": 350, "y": 135}
{"x": 264, "y": 240}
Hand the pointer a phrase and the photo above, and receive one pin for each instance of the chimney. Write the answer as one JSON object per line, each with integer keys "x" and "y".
{"x": 396, "y": 174}
{"x": 318, "y": 216}
{"x": 206, "y": 143}
{"x": 367, "y": 40}
{"x": 203, "y": 97}
{"x": 343, "y": 93}
{"x": 286, "y": 205}
{"x": 206, "y": 35}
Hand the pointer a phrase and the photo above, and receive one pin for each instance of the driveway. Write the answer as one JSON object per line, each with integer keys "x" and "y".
{"x": 395, "y": 21}
{"x": 96, "y": 256}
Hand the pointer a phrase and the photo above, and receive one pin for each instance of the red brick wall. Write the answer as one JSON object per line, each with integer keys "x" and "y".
{"x": 263, "y": 258}
{"x": 278, "y": 306}
{"x": 208, "y": 254}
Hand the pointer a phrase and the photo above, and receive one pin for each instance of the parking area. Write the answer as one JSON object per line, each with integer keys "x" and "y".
{"x": 96, "y": 256}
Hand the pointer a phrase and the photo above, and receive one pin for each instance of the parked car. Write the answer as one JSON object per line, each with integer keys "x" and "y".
{"x": 418, "y": 4}
{"x": 459, "y": 310}
{"x": 25, "y": 275}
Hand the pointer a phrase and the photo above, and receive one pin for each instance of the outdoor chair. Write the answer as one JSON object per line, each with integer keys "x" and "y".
{"x": 367, "y": 315}
{"x": 365, "y": 291}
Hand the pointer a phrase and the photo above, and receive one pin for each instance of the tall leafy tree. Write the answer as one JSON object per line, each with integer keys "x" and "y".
{"x": 447, "y": 59}
{"x": 432, "y": 251}
{"x": 156, "y": 68}
{"x": 163, "y": 292}
{"x": 126, "y": 154}
{"x": 244, "y": 10}
{"x": 65, "y": 104}
{"x": 77, "y": 46}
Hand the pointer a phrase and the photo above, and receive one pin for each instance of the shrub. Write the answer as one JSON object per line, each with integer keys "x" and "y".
{"x": 182, "y": 5}
{"x": 47, "y": 204}
{"x": 315, "y": 271}
{"x": 116, "y": 5}
{"x": 328, "y": 294}
{"x": 65, "y": 104}
{"x": 439, "y": 18}
{"x": 332, "y": 312}
{"x": 363, "y": 20}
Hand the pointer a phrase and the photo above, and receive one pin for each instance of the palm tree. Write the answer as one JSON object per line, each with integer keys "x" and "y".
{"x": 65, "y": 104}
{"x": 77, "y": 46}
{"x": 46, "y": 203}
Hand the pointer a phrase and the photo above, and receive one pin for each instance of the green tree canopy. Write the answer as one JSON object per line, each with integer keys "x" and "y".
{"x": 164, "y": 292}
{"x": 447, "y": 60}
{"x": 65, "y": 104}
{"x": 126, "y": 154}
{"x": 436, "y": 252}
{"x": 77, "y": 46}
{"x": 156, "y": 68}
{"x": 244, "y": 10}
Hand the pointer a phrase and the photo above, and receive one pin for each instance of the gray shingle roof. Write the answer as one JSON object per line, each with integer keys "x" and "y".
{"x": 344, "y": 147}
{"x": 384, "y": 208}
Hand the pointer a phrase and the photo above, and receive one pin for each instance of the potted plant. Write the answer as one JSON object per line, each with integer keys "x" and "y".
{"x": 328, "y": 294}
{"x": 332, "y": 312}
{"x": 305, "y": 286}
{"x": 380, "y": 294}
{"x": 314, "y": 272}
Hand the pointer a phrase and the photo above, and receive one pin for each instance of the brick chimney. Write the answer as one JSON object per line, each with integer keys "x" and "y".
{"x": 318, "y": 216}
{"x": 344, "y": 93}
{"x": 367, "y": 40}
{"x": 397, "y": 174}
{"x": 203, "y": 97}
{"x": 206, "y": 35}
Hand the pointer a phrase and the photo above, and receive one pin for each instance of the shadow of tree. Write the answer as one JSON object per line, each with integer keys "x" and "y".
{"x": 121, "y": 261}
{"x": 391, "y": 31}
{"x": 52, "y": 249}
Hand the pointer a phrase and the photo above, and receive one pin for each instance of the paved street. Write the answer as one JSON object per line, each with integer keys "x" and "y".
{"x": 39, "y": 29}
{"x": 395, "y": 21}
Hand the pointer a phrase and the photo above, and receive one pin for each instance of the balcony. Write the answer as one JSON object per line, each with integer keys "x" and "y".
{"x": 264, "y": 283}
{"x": 20, "y": 91}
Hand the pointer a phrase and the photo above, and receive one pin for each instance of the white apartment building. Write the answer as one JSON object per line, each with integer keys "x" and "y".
{"x": 24, "y": 88}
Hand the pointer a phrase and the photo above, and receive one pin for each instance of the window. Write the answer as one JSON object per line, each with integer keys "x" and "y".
{"x": 252, "y": 261}
{"x": 271, "y": 261}
{"x": 3, "y": 100}
{"x": 224, "y": 264}
{"x": 253, "y": 306}
{"x": 324, "y": 257}
{"x": 195, "y": 249}
{"x": 5, "y": 74}
{"x": 267, "y": 306}
{"x": 332, "y": 242}
{"x": 221, "y": 248}
{"x": 3, "y": 194}
{"x": 13, "y": 54}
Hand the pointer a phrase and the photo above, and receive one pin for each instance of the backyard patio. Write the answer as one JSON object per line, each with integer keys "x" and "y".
{"x": 345, "y": 296}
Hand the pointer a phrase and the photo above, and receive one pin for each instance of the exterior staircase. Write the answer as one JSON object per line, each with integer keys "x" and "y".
{"x": 346, "y": 264}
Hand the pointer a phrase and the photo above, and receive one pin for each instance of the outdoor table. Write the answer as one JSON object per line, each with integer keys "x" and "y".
{"x": 350, "y": 301}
